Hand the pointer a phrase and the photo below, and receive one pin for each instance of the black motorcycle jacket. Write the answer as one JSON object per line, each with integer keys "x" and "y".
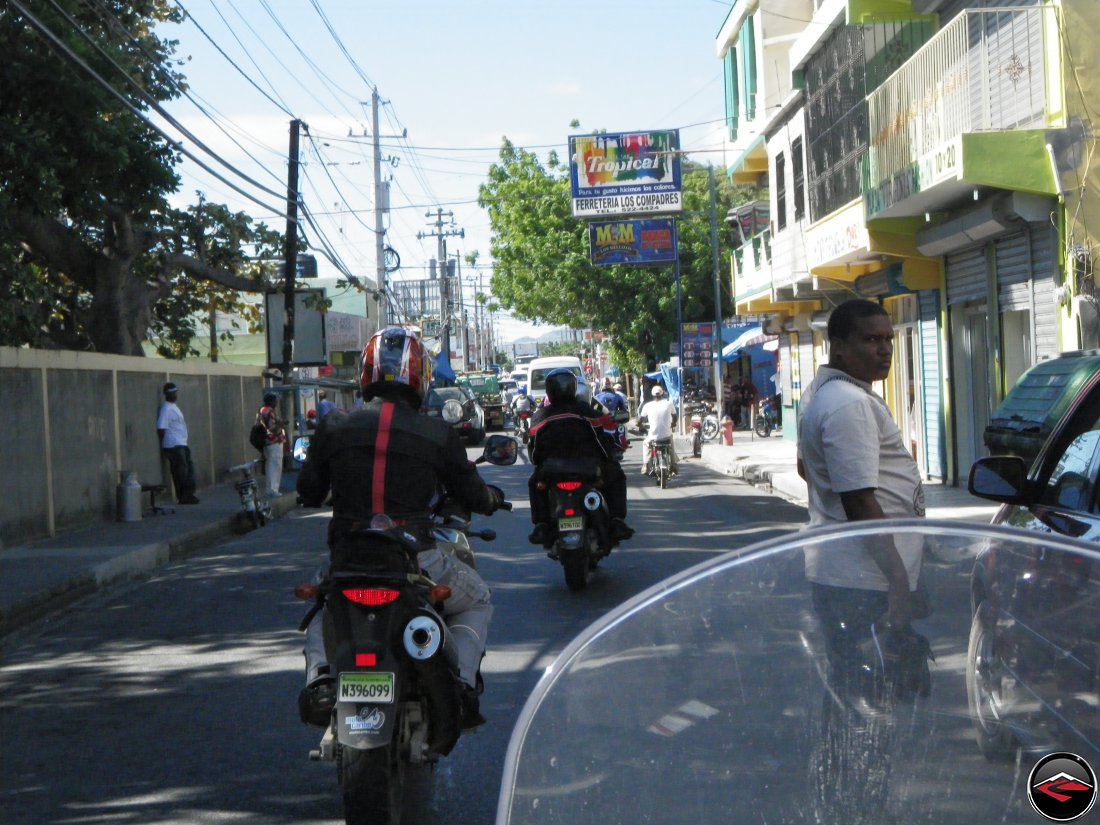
{"x": 387, "y": 458}
{"x": 570, "y": 429}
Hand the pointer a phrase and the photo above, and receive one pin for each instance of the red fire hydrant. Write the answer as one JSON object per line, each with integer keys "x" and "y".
{"x": 727, "y": 430}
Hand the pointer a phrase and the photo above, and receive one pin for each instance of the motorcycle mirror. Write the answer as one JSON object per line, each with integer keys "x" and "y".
{"x": 501, "y": 450}
{"x": 487, "y": 534}
{"x": 452, "y": 411}
{"x": 301, "y": 448}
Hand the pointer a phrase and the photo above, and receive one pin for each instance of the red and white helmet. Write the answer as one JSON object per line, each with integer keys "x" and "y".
{"x": 394, "y": 357}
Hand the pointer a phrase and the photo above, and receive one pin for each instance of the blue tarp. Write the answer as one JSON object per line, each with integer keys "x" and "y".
{"x": 441, "y": 368}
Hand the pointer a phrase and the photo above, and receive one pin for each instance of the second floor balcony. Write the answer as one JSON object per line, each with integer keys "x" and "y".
{"x": 752, "y": 267}
{"x": 969, "y": 109}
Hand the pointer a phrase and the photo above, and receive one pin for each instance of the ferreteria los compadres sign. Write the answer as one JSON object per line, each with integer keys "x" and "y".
{"x": 625, "y": 173}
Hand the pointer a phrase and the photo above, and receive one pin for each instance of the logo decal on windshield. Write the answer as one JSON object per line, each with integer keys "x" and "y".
{"x": 1062, "y": 787}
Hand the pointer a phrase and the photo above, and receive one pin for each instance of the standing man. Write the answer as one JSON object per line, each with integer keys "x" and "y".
{"x": 324, "y": 406}
{"x": 857, "y": 468}
{"x": 172, "y": 433}
{"x": 747, "y": 395}
{"x": 276, "y": 437}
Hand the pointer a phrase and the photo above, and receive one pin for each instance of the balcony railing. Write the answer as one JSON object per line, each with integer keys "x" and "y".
{"x": 987, "y": 70}
{"x": 753, "y": 265}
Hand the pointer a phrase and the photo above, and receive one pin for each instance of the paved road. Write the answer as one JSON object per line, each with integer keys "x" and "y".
{"x": 172, "y": 700}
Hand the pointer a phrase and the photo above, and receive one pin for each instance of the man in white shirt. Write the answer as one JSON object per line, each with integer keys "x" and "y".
{"x": 661, "y": 416}
{"x": 857, "y": 468}
{"x": 172, "y": 432}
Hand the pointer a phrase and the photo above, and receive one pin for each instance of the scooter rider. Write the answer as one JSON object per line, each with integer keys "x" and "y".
{"x": 522, "y": 402}
{"x": 388, "y": 458}
{"x": 661, "y": 416}
{"x": 567, "y": 427}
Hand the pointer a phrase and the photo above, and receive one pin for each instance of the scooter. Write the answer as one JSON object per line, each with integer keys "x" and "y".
{"x": 398, "y": 700}
{"x": 580, "y": 519}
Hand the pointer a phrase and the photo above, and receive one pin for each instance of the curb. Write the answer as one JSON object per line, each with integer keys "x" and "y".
{"x": 131, "y": 565}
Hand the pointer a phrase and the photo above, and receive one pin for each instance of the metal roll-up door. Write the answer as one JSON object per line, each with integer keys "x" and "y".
{"x": 935, "y": 444}
{"x": 806, "y": 357}
{"x": 1044, "y": 263}
{"x": 966, "y": 276}
{"x": 1012, "y": 254}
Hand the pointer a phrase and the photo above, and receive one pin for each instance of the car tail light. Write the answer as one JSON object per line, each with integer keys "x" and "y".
{"x": 568, "y": 485}
{"x": 371, "y": 597}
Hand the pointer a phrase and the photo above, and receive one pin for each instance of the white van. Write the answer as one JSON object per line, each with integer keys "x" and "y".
{"x": 538, "y": 369}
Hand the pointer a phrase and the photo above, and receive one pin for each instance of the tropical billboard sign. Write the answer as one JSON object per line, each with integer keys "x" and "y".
{"x": 626, "y": 173}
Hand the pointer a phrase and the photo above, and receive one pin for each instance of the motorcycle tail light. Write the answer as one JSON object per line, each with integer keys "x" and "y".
{"x": 568, "y": 485}
{"x": 370, "y": 597}
{"x": 365, "y": 660}
{"x": 569, "y": 511}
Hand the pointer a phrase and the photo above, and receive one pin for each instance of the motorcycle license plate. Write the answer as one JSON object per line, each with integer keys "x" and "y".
{"x": 570, "y": 524}
{"x": 366, "y": 687}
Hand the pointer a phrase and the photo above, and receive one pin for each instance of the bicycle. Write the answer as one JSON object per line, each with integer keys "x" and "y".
{"x": 253, "y": 503}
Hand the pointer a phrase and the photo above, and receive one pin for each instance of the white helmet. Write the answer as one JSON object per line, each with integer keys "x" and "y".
{"x": 658, "y": 392}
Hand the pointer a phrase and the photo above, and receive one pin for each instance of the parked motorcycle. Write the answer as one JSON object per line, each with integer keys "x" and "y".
{"x": 398, "y": 701}
{"x": 581, "y": 520}
{"x": 766, "y": 418}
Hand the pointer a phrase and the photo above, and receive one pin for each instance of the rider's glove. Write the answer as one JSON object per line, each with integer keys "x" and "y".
{"x": 497, "y": 496}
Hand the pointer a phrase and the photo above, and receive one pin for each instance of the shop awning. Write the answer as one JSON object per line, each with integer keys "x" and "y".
{"x": 754, "y": 336}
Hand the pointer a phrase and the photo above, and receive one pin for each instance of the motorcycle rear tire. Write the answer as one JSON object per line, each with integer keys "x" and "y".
{"x": 662, "y": 471}
{"x": 575, "y": 565}
{"x": 710, "y": 428}
{"x": 373, "y": 783}
{"x": 259, "y": 519}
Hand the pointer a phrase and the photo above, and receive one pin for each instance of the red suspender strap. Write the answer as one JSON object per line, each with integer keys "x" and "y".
{"x": 381, "y": 444}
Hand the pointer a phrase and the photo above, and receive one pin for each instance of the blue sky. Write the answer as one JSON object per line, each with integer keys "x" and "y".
{"x": 459, "y": 77}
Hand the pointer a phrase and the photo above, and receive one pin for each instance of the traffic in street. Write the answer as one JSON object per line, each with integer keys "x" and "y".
{"x": 173, "y": 699}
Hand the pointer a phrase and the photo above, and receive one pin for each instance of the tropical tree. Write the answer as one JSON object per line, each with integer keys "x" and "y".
{"x": 543, "y": 273}
{"x": 90, "y": 248}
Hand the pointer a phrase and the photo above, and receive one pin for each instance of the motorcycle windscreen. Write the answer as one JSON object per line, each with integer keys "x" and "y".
{"x": 710, "y": 698}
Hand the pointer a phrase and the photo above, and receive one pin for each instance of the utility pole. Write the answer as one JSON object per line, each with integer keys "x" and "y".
{"x": 379, "y": 229}
{"x": 440, "y": 234}
{"x": 716, "y": 350}
{"x": 381, "y": 207}
{"x": 290, "y": 252}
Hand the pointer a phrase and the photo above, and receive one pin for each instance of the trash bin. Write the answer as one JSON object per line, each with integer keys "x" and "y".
{"x": 128, "y": 496}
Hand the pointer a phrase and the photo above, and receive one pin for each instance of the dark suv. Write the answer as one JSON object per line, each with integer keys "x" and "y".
{"x": 1033, "y": 663}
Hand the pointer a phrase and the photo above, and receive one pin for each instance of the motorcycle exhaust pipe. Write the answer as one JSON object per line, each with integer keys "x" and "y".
{"x": 423, "y": 637}
{"x": 592, "y": 501}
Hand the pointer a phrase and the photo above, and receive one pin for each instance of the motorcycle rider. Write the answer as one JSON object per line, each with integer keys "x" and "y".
{"x": 568, "y": 427}
{"x": 614, "y": 402}
{"x": 661, "y": 416}
{"x": 388, "y": 458}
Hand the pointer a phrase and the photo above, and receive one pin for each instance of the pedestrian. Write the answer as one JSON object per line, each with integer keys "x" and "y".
{"x": 268, "y": 416}
{"x": 747, "y": 396}
{"x": 857, "y": 468}
{"x": 324, "y": 406}
{"x": 172, "y": 433}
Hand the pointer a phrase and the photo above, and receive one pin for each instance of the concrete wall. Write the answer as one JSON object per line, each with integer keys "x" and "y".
{"x": 75, "y": 420}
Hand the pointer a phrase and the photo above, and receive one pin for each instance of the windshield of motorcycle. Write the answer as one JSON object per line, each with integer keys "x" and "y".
{"x": 740, "y": 692}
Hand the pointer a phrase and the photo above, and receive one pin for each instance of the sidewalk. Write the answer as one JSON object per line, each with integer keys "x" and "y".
{"x": 39, "y": 578}
{"x": 770, "y": 463}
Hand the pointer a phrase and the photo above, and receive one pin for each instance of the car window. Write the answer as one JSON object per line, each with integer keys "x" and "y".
{"x": 1073, "y": 478}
